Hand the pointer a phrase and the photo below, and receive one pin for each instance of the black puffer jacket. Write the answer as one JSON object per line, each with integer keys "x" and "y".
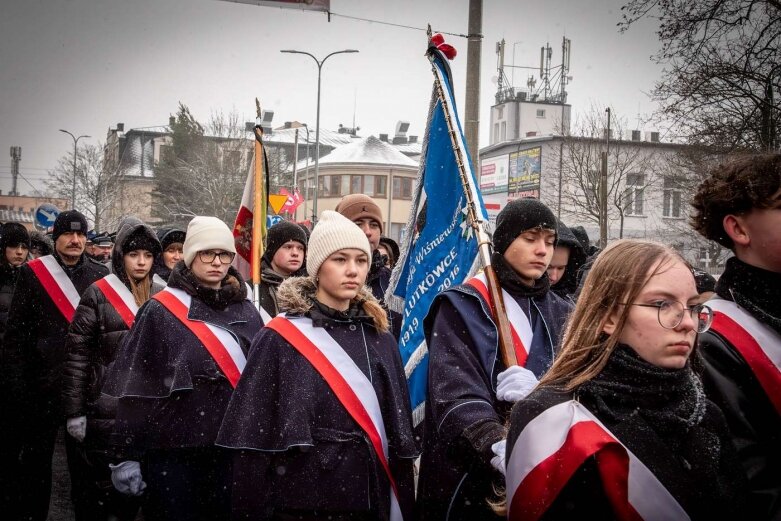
{"x": 36, "y": 335}
{"x": 91, "y": 346}
{"x": 8, "y": 276}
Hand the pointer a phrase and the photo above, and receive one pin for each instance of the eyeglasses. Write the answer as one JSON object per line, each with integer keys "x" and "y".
{"x": 226, "y": 257}
{"x": 670, "y": 314}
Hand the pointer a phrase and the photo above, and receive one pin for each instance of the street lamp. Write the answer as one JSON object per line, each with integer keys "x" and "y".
{"x": 317, "y": 122}
{"x": 75, "y": 151}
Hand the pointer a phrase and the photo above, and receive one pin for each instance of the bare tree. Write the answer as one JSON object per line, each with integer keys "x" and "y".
{"x": 580, "y": 159}
{"x": 722, "y": 75}
{"x": 205, "y": 171}
{"x": 97, "y": 188}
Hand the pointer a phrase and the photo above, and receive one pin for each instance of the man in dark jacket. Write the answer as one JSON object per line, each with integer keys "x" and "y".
{"x": 14, "y": 245}
{"x": 283, "y": 258}
{"x": 739, "y": 206}
{"x": 470, "y": 391}
{"x": 364, "y": 212}
{"x": 46, "y": 296}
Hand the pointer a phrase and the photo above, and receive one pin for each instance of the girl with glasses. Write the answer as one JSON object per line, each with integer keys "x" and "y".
{"x": 620, "y": 426}
{"x": 174, "y": 376}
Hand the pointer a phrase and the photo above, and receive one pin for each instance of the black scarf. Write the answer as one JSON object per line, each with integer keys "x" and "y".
{"x": 670, "y": 400}
{"x": 322, "y": 315}
{"x": 754, "y": 289}
{"x": 511, "y": 281}
{"x": 232, "y": 287}
{"x": 378, "y": 262}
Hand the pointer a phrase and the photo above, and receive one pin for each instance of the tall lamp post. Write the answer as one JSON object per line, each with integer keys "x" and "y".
{"x": 317, "y": 122}
{"x": 75, "y": 151}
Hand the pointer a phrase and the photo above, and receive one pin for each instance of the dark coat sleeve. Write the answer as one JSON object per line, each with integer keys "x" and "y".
{"x": 23, "y": 321}
{"x": 80, "y": 345}
{"x": 754, "y": 424}
{"x": 461, "y": 395}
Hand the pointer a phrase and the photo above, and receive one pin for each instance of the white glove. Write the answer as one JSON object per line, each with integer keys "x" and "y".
{"x": 77, "y": 427}
{"x": 497, "y": 461}
{"x": 126, "y": 478}
{"x": 515, "y": 383}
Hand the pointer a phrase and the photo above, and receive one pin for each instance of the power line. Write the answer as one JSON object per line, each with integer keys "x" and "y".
{"x": 424, "y": 29}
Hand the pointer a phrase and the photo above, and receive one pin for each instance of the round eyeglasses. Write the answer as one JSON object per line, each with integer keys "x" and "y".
{"x": 670, "y": 314}
{"x": 207, "y": 257}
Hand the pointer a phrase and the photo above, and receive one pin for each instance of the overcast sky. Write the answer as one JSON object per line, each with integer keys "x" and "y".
{"x": 85, "y": 65}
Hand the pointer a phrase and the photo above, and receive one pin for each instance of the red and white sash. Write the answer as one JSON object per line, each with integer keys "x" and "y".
{"x": 350, "y": 385}
{"x": 57, "y": 285}
{"x": 120, "y": 297}
{"x": 759, "y": 345}
{"x": 552, "y": 447}
{"x": 220, "y": 343}
{"x": 520, "y": 327}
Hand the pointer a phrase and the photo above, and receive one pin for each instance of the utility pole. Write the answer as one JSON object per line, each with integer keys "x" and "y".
{"x": 472, "y": 102}
{"x": 16, "y": 157}
{"x": 603, "y": 188}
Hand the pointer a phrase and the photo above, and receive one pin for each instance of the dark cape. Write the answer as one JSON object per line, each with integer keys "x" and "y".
{"x": 171, "y": 392}
{"x": 302, "y": 453}
{"x": 663, "y": 418}
{"x": 463, "y": 417}
{"x": 729, "y": 381}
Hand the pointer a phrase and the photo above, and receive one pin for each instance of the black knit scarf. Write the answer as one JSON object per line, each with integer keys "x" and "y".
{"x": 511, "y": 281}
{"x": 754, "y": 289}
{"x": 670, "y": 400}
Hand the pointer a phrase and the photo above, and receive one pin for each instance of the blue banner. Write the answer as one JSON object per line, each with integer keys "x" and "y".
{"x": 439, "y": 249}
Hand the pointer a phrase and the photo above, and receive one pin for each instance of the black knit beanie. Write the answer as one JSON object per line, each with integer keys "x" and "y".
{"x": 170, "y": 236}
{"x": 279, "y": 234}
{"x": 141, "y": 240}
{"x": 517, "y": 217}
{"x": 13, "y": 234}
{"x": 69, "y": 221}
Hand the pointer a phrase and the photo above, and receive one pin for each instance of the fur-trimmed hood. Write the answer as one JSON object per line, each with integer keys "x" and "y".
{"x": 296, "y": 295}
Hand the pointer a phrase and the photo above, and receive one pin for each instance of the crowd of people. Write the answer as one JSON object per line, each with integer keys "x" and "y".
{"x": 644, "y": 388}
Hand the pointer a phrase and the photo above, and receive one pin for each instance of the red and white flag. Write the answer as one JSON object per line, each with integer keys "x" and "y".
{"x": 294, "y": 200}
{"x": 553, "y": 446}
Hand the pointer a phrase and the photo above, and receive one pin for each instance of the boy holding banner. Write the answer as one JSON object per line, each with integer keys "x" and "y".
{"x": 470, "y": 391}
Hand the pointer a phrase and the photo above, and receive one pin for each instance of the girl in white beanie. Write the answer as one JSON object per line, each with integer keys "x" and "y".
{"x": 174, "y": 376}
{"x": 324, "y": 397}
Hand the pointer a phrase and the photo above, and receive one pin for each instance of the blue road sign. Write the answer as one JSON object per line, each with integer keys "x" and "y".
{"x": 45, "y": 215}
{"x": 271, "y": 220}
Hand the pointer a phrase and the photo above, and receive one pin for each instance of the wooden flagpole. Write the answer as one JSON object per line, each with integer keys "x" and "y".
{"x": 506, "y": 348}
{"x": 258, "y": 207}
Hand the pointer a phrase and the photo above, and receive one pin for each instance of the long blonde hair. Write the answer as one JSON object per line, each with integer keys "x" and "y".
{"x": 141, "y": 289}
{"x": 618, "y": 275}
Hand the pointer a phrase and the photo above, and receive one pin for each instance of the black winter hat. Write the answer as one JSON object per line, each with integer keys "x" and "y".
{"x": 168, "y": 236}
{"x": 517, "y": 217}
{"x": 279, "y": 234}
{"x": 704, "y": 281}
{"x": 582, "y": 235}
{"x": 69, "y": 221}
{"x": 13, "y": 234}
{"x": 42, "y": 243}
{"x": 140, "y": 240}
{"x": 103, "y": 239}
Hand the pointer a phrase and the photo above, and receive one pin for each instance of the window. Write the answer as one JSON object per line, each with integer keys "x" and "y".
{"x": 368, "y": 185}
{"x": 380, "y": 186}
{"x": 402, "y": 188}
{"x": 344, "y": 185}
{"x": 541, "y": 113}
{"x": 672, "y": 197}
{"x": 500, "y": 112}
{"x": 635, "y": 184}
{"x": 356, "y": 184}
{"x": 504, "y": 130}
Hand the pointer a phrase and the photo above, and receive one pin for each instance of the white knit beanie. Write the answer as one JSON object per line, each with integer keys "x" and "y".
{"x": 332, "y": 233}
{"x": 206, "y": 233}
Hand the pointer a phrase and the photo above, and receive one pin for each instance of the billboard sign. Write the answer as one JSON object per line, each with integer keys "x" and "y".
{"x": 493, "y": 174}
{"x": 525, "y": 173}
